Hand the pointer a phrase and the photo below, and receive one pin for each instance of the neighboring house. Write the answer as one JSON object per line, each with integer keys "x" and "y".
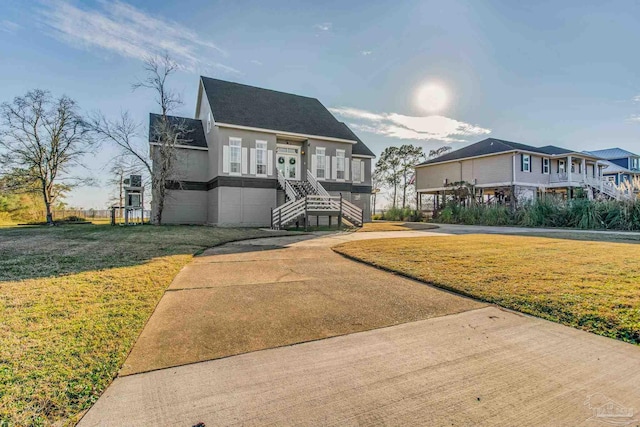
{"x": 620, "y": 165}
{"x": 258, "y": 157}
{"x": 507, "y": 171}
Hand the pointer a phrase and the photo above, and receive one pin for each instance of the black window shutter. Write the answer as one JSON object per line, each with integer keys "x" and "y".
{"x": 522, "y": 162}
{"x": 543, "y": 159}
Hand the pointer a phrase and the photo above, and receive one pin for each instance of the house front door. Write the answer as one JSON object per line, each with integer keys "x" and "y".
{"x": 288, "y": 162}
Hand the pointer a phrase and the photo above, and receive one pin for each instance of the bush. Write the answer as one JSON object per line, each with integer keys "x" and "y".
{"x": 549, "y": 212}
{"x": 399, "y": 214}
{"x": 72, "y": 218}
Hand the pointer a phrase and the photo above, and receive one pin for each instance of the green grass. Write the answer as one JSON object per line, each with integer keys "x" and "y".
{"x": 591, "y": 285}
{"x": 73, "y": 299}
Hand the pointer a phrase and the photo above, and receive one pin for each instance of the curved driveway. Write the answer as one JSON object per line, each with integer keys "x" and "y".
{"x": 375, "y": 349}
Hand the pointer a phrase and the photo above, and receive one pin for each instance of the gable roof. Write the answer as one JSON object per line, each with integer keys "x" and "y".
{"x": 243, "y": 105}
{"x": 611, "y": 167}
{"x": 194, "y": 133}
{"x": 495, "y": 146}
{"x": 360, "y": 148}
{"x": 612, "y": 153}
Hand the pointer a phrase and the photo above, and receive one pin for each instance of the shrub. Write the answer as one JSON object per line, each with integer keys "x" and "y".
{"x": 399, "y": 214}
{"x": 549, "y": 212}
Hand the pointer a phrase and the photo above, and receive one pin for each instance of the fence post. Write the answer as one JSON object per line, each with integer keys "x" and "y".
{"x": 271, "y": 220}
{"x": 280, "y": 219}
{"x": 340, "y": 214}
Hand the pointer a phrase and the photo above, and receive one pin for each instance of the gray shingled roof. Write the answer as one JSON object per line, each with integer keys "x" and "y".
{"x": 612, "y": 153}
{"x": 194, "y": 135}
{"x": 238, "y": 104}
{"x": 494, "y": 146}
{"x": 613, "y": 168}
{"x": 360, "y": 148}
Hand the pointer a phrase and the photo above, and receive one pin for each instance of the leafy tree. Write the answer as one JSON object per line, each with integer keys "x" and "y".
{"x": 438, "y": 152}
{"x": 41, "y": 138}
{"x": 389, "y": 170}
{"x": 409, "y": 156}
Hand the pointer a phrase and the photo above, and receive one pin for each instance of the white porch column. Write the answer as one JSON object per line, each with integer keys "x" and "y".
{"x": 584, "y": 170}
{"x": 569, "y": 163}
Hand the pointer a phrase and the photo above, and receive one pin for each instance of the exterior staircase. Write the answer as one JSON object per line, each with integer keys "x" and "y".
{"x": 304, "y": 198}
{"x": 607, "y": 189}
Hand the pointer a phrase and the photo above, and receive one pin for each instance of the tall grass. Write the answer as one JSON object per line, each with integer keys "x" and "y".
{"x": 549, "y": 212}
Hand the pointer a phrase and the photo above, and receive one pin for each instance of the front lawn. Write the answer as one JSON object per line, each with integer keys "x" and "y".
{"x": 395, "y": 226}
{"x": 73, "y": 300}
{"x": 591, "y": 285}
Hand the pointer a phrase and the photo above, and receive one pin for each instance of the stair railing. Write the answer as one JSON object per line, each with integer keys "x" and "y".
{"x": 288, "y": 189}
{"x": 316, "y": 185}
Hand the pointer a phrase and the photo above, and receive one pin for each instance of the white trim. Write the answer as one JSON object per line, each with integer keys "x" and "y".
{"x": 186, "y": 147}
{"x": 364, "y": 156}
{"x": 283, "y": 134}
{"x": 551, "y": 156}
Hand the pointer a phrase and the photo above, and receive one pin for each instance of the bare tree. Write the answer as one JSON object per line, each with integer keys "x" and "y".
{"x": 164, "y": 133}
{"x": 41, "y": 139}
{"x": 120, "y": 168}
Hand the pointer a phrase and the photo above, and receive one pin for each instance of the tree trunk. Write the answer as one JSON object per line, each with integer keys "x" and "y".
{"x": 46, "y": 196}
{"x": 404, "y": 190}
{"x": 49, "y": 213}
{"x": 121, "y": 202}
{"x": 395, "y": 194}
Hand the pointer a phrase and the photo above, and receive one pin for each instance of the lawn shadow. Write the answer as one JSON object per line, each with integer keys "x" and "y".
{"x": 37, "y": 252}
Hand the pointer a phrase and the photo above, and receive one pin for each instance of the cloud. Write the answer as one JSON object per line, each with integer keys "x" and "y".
{"x": 255, "y": 61}
{"x": 636, "y": 98}
{"x": 325, "y": 26}
{"x": 365, "y": 52}
{"x": 122, "y": 29}
{"x": 635, "y": 118}
{"x": 9, "y": 26}
{"x": 424, "y": 128}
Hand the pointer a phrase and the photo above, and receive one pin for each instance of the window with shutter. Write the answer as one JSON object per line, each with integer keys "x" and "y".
{"x": 321, "y": 162}
{"x": 235, "y": 155}
{"x": 261, "y": 158}
{"x": 340, "y": 164}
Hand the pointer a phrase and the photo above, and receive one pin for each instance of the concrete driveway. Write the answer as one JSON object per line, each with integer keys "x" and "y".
{"x": 419, "y": 357}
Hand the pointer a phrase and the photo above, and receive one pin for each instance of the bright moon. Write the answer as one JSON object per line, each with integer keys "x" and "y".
{"x": 432, "y": 97}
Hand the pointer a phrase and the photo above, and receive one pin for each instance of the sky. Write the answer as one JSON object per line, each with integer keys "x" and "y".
{"x": 429, "y": 73}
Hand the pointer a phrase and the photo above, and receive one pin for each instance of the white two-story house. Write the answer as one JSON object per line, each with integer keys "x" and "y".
{"x": 259, "y": 157}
